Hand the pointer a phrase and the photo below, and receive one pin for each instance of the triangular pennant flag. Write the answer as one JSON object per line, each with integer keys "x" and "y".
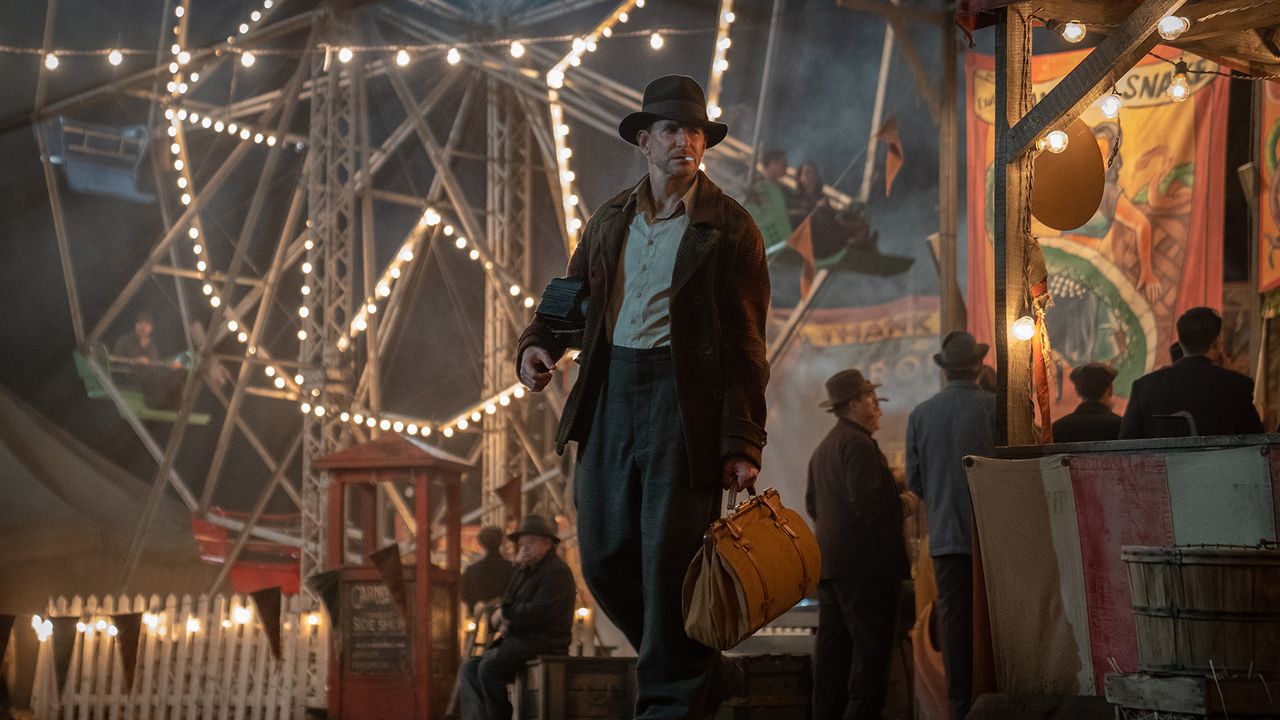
{"x": 325, "y": 586}
{"x": 509, "y": 493}
{"x": 6, "y": 629}
{"x": 268, "y": 602}
{"x": 888, "y": 134}
{"x": 128, "y": 632}
{"x": 387, "y": 561}
{"x": 64, "y": 643}
{"x": 801, "y": 241}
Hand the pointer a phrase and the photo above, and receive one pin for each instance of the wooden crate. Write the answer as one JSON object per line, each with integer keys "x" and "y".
{"x": 765, "y": 708}
{"x": 1191, "y": 696}
{"x": 577, "y": 688}
{"x": 777, "y": 676}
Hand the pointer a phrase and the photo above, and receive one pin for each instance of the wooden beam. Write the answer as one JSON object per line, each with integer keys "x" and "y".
{"x": 920, "y": 73}
{"x": 1012, "y": 226}
{"x": 1101, "y": 69}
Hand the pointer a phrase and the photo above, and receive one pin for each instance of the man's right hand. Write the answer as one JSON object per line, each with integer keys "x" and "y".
{"x": 536, "y": 368}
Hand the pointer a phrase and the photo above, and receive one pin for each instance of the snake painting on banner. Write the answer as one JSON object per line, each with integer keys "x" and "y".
{"x": 1152, "y": 249}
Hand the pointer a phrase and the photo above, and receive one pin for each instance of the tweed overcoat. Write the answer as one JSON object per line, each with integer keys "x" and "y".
{"x": 718, "y": 303}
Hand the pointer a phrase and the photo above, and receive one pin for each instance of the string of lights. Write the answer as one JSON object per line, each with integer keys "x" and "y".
{"x": 116, "y": 55}
{"x": 719, "y": 59}
{"x": 570, "y": 202}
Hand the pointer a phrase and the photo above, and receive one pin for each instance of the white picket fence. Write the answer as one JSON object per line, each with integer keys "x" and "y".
{"x": 201, "y": 659}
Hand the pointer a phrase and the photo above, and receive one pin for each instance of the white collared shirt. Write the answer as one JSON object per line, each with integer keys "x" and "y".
{"x": 640, "y": 299}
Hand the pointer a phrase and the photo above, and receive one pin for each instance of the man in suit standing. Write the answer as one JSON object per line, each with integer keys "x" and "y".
{"x": 487, "y": 578}
{"x": 853, "y": 500}
{"x": 668, "y": 408}
{"x": 941, "y": 431}
{"x": 536, "y": 618}
{"x": 1092, "y": 419}
{"x": 1195, "y": 395}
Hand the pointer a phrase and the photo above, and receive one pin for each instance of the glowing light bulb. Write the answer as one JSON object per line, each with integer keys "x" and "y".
{"x": 448, "y": 432}
{"x": 241, "y": 615}
{"x": 184, "y": 57}
{"x": 1073, "y": 31}
{"x": 385, "y": 424}
{"x": 193, "y": 625}
{"x": 1024, "y": 328}
{"x": 463, "y": 424}
{"x": 517, "y": 49}
{"x": 1171, "y": 27}
{"x": 431, "y": 217}
{"x": 244, "y": 133}
{"x": 397, "y": 426}
{"x": 345, "y": 54}
{"x": 51, "y": 61}
{"x": 461, "y": 242}
{"x": 713, "y": 111}
{"x": 453, "y": 56}
{"x": 504, "y": 400}
{"x": 247, "y": 59}
{"x": 518, "y": 392}
{"x": 1110, "y": 105}
{"x": 655, "y": 41}
{"x": 402, "y": 58}
{"x": 514, "y": 289}
{"x": 474, "y": 254}
{"x": 720, "y": 65}
{"x": 115, "y": 57}
{"x": 1056, "y": 141}
{"x": 447, "y": 230}
{"x": 555, "y": 78}
{"x": 623, "y": 17}
{"x": 1179, "y": 90}
{"x": 179, "y": 11}
{"x": 490, "y": 409}
{"x": 475, "y": 416}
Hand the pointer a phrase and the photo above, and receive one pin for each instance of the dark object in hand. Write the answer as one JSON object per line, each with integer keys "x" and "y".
{"x": 564, "y": 305}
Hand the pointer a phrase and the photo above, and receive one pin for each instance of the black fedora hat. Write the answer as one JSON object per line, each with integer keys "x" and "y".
{"x": 959, "y": 351}
{"x": 673, "y": 97}
{"x": 535, "y": 525}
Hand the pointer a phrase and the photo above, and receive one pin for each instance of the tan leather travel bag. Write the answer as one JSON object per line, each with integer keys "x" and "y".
{"x": 753, "y": 566}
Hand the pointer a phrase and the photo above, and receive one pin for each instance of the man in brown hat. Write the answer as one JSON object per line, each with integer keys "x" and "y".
{"x": 853, "y": 500}
{"x": 941, "y": 431}
{"x": 668, "y": 408}
{"x": 536, "y": 618}
{"x": 1092, "y": 419}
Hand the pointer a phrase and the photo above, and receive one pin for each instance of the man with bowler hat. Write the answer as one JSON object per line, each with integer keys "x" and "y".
{"x": 941, "y": 431}
{"x": 536, "y": 618}
{"x": 1092, "y": 419}
{"x": 668, "y": 408}
{"x": 853, "y": 500}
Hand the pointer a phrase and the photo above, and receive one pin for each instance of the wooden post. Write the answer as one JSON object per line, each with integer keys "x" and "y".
{"x": 1012, "y": 226}
{"x": 952, "y": 315}
{"x": 420, "y": 626}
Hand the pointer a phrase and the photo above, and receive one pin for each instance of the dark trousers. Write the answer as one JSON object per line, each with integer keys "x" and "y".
{"x": 857, "y": 623}
{"x": 483, "y": 691}
{"x": 954, "y": 576}
{"x": 640, "y": 524}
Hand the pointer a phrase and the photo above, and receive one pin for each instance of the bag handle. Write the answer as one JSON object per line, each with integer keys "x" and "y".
{"x": 733, "y": 497}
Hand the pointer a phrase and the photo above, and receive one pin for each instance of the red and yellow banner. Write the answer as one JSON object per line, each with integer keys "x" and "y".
{"x": 1154, "y": 247}
{"x": 1269, "y": 189}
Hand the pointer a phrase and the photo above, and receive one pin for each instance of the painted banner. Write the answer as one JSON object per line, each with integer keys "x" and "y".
{"x": 891, "y": 343}
{"x": 1268, "y": 190}
{"x": 1154, "y": 247}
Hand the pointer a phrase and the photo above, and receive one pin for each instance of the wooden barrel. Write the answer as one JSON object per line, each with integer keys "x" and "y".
{"x": 1206, "y": 608}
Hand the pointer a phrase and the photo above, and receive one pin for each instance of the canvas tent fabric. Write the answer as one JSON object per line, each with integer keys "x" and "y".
{"x": 67, "y": 520}
{"x": 1051, "y": 532}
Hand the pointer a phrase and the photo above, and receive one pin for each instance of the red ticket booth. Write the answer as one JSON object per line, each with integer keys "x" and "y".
{"x": 386, "y": 664}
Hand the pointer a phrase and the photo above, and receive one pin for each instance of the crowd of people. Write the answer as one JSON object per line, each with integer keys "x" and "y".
{"x": 668, "y": 411}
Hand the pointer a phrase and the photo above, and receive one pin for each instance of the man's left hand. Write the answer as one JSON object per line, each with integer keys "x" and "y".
{"x": 738, "y": 475}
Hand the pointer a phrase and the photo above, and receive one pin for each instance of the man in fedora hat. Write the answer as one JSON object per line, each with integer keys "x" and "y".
{"x": 485, "y": 580}
{"x": 941, "y": 431}
{"x": 668, "y": 408}
{"x": 853, "y": 500}
{"x": 1092, "y": 419}
{"x": 536, "y": 618}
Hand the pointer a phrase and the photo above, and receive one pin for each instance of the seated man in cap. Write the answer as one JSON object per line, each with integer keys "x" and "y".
{"x": 536, "y": 618}
{"x": 1195, "y": 395}
{"x": 1092, "y": 419}
{"x": 853, "y": 500}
